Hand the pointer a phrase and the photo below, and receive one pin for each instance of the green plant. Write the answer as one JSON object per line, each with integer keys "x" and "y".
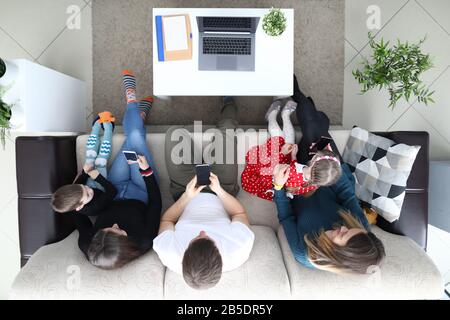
{"x": 274, "y": 23}
{"x": 397, "y": 69}
{"x": 5, "y": 116}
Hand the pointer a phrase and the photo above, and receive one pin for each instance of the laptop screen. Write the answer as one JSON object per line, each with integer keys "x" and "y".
{"x": 231, "y": 24}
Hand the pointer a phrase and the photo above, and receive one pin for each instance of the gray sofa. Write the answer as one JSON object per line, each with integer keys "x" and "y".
{"x": 60, "y": 271}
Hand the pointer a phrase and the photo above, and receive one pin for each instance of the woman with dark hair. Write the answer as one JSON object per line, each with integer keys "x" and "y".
{"x": 327, "y": 230}
{"x": 125, "y": 229}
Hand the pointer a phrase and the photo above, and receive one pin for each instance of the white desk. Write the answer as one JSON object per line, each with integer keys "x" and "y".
{"x": 274, "y": 62}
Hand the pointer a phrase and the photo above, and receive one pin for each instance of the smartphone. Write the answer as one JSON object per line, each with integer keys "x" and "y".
{"x": 130, "y": 155}
{"x": 203, "y": 172}
{"x": 322, "y": 143}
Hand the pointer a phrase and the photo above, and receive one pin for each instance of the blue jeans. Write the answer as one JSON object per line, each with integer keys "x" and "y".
{"x": 125, "y": 177}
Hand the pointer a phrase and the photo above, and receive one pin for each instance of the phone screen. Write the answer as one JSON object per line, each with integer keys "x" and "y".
{"x": 130, "y": 155}
{"x": 203, "y": 172}
{"x": 322, "y": 143}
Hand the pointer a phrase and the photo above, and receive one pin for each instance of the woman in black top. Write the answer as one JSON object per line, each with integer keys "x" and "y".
{"x": 125, "y": 229}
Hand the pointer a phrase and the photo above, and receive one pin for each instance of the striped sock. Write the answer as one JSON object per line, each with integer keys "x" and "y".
{"x": 105, "y": 149}
{"x": 145, "y": 105}
{"x": 129, "y": 83}
{"x": 92, "y": 143}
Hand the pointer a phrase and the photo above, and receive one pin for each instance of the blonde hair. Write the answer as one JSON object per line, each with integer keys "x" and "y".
{"x": 325, "y": 169}
{"x": 360, "y": 253}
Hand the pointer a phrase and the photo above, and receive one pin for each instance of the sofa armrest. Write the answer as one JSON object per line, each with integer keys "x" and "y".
{"x": 413, "y": 220}
{"x": 43, "y": 164}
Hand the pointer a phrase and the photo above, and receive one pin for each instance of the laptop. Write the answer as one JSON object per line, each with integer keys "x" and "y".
{"x": 227, "y": 43}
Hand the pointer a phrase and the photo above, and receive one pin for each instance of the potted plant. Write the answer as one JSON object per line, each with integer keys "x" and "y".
{"x": 2, "y": 68}
{"x": 5, "y": 117}
{"x": 8, "y": 72}
{"x": 397, "y": 69}
{"x": 274, "y": 23}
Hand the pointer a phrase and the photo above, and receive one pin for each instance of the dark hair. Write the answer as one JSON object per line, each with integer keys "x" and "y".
{"x": 109, "y": 250}
{"x": 202, "y": 264}
{"x": 361, "y": 251}
{"x": 67, "y": 198}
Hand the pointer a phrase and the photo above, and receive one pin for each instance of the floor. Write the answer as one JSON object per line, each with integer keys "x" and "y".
{"x": 37, "y": 30}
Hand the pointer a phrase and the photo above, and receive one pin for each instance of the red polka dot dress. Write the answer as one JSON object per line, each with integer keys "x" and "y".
{"x": 260, "y": 162}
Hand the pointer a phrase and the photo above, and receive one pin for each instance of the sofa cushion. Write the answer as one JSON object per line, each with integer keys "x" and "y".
{"x": 61, "y": 271}
{"x": 263, "y": 276}
{"x": 406, "y": 273}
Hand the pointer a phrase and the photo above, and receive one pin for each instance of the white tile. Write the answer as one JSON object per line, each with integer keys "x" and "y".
{"x": 412, "y": 120}
{"x": 8, "y": 185}
{"x": 444, "y": 236}
{"x": 10, "y": 49}
{"x": 71, "y": 53}
{"x": 370, "y": 110}
{"x": 35, "y": 23}
{"x": 10, "y": 258}
{"x": 9, "y": 226}
{"x": 438, "y": 251}
{"x": 438, "y": 114}
{"x": 438, "y": 10}
{"x": 350, "y": 52}
{"x": 356, "y": 18}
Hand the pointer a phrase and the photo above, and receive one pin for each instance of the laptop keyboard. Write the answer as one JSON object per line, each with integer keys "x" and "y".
{"x": 227, "y": 45}
{"x": 227, "y": 22}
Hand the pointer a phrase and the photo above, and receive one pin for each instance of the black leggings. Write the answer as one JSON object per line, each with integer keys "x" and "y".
{"x": 313, "y": 123}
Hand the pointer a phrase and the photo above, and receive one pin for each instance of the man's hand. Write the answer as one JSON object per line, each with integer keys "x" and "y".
{"x": 93, "y": 174}
{"x": 143, "y": 164}
{"x": 192, "y": 190}
{"x": 88, "y": 167}
{"x": 281, "y": 174}
{"x": 215, "y": 183}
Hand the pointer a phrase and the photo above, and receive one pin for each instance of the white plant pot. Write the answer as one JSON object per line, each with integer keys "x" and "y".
{"x": 12, "y": 70}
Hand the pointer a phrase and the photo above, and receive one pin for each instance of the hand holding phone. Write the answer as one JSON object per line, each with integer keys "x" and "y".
{"x": 321, "y": 144}
{"x": 203, "y": 172}
{"x": 131, "y": 156}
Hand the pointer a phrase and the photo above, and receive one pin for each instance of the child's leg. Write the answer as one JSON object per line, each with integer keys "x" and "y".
{"x": 271, "y": 118}
{"x": 105, "y": 151}
{"x": 288, "y": 128}
{"x": 92, "y": 144}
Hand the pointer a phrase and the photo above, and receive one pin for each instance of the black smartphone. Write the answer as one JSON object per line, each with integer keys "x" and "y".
{"x": 322, "y": 143}
{"x": 203, "y": 172}
{"x": 130, "y": 156}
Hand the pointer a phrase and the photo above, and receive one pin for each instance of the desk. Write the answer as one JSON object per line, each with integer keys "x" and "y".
{"x": 274, "y": 62}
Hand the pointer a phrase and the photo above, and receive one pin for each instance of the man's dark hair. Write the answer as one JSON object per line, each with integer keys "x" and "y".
{"x": 202, "y": 264}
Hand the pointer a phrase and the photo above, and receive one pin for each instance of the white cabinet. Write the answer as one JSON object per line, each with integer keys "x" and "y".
{"x": 46, "y": 100}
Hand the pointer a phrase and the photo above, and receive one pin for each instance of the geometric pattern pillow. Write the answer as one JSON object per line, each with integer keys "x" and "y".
{"x": 381, "y": 169}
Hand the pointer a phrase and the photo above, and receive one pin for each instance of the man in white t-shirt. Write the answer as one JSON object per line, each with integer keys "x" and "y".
{"x": 204, "y": 234}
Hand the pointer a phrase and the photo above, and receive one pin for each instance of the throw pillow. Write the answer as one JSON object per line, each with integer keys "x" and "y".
{"x": 381, "y": 169}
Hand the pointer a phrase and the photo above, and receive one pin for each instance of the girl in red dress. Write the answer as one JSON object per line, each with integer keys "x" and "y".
{"x": 324, "y": 169}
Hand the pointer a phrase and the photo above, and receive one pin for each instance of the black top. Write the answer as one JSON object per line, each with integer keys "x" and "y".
{"x": 139, "y": 220}
{"x": 100, "y": 199}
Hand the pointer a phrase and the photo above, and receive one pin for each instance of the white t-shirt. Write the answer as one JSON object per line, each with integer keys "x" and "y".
{"x": 205, "y": 213}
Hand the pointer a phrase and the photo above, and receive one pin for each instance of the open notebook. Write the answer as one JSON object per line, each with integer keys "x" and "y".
{"x": 174, "y": 37}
